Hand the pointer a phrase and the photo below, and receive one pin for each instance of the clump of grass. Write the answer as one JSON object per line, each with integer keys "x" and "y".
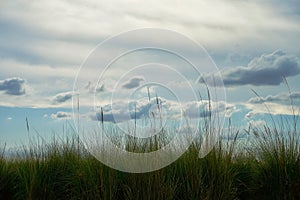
{"x": 276, "y": 151}
{"x": 277, "y": 163}
{"x": 63, "y": 169}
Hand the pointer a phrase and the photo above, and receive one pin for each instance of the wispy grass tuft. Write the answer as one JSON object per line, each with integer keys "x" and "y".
{"x": 266, "y": 166}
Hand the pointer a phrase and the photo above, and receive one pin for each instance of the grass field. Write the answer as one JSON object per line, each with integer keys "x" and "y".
{"x": 63, "y": 169}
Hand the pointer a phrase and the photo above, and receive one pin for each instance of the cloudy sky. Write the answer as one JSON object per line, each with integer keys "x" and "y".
{"x": 254, "y": 44}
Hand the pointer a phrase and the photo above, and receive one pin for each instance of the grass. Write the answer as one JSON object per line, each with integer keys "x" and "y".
{"x": 62, "y": 169}
{"x": 277, "y": 163}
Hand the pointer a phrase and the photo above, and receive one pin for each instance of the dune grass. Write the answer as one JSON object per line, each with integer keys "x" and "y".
{"x": 266, "y": 166}
{"x": 63, "y": 169}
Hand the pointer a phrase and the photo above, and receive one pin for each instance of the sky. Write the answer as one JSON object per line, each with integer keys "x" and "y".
{"x": 46, "y": 46}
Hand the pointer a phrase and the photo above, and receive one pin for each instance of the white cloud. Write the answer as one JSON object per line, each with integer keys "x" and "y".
{"x": 61, "y": 115}
{"x": 270, "y": 108}
{"x": 285, "y": 98}
{"x": 279, "y": 104}
{"x": 122, "y": 111}
{"x": 42, "y": 83}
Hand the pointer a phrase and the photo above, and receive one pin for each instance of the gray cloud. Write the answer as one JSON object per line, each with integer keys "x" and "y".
{"x": 276, "y": 98}
{"x": 61, "y": 115}
{"x": 62, "y": 97}
{"x": 56, "y": 26}
{"x": 268, "y": 69}
{"x": 133, "y": 83}
{"x": 13, "y": 86}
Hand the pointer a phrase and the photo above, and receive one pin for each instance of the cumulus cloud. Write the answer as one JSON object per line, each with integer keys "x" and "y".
{"x": 123, "y": 111}
{"x": 268, "y": 69}
{"x": 283, "y": 97}
{"x": 62, "y": 97}
{"x": 133, "y": 82}
{"x": 13, "y": 86}
{"x": 61, "y": 115}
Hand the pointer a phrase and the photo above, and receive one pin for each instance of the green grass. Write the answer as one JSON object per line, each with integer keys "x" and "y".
{"x": 62, "y": 169}
{"x": 266, "y": 166}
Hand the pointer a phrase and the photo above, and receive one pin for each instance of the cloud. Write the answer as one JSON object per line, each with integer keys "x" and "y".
{"x": 284, "y": 97}
{"x": 194, "y": 16}
{"x": 13, "y": 86}
{"x": 35, "y": 71}
{"x": 123, "y": 111}
{"x": 61, "y": 115}
{"x": 271, "y": 109}
{"x": 268, "y": 69}
{"x": 243, "y": 21}
{"x": 62, "y": 97}
{"x": 57, "y": 30}
{"x": 91, "y": 88}
{"x": 206, "y": 108}
{"x": 133, "y": 82}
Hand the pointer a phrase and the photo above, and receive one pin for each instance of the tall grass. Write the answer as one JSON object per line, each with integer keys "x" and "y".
{"x": 276, "y": 150}
{"x": 277, "y": 162}
{"x": 63, "y": 169}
